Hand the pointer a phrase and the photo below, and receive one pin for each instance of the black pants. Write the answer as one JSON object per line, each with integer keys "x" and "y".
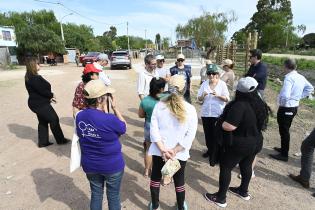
{"x": 179, "y": 182}
{"x": 47, "y": 115}
{"x": 208, "y": 124}
{"x": 285, "y": 116}
{"x": 187, "y": 96}
{"x": 244, "y": 155}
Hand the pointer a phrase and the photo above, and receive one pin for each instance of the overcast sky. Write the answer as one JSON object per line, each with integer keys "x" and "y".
{"x": 152, "y": 15}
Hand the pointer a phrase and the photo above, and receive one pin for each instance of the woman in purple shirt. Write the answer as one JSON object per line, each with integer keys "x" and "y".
{"x": 99, "y": 132}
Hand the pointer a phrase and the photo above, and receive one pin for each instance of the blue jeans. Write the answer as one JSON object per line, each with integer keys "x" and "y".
{"x": 113, "y": 182}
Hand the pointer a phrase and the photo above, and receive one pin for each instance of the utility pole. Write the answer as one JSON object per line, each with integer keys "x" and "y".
{"x": 145, "y": 37}
{"x": 128, "y": 38}
{"x": 61, "y": 28}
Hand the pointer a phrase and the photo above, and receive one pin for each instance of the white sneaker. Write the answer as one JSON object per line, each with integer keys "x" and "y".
{"x": 253, "y": 175}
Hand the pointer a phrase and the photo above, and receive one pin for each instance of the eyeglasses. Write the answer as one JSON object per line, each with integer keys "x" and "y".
{"x": 162, "y": 61}
{"x": 180, "y": 60}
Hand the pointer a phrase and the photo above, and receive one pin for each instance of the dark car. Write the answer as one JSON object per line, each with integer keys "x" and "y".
{"x": 89, "y": 58}
{"x": 120, "y": 59}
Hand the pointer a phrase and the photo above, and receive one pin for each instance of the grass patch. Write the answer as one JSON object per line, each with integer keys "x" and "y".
{"x": 302, "y": 64}
{"x": 277, "y": 87}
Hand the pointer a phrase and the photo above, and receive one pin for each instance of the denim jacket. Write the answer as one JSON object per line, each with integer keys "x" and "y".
{"x": 187, "y": 69}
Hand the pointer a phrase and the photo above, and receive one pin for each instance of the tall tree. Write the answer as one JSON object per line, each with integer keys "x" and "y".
{"x": 207, "y": 30}
{"x": 111, "y": 33}
{"x": 158, "y": 41}
{"x": 273, "y": 22}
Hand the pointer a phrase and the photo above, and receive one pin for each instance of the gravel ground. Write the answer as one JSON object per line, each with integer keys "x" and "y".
{"x": 34, "y": 178}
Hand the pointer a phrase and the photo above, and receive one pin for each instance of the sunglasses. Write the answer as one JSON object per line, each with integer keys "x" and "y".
{"x": 212, "y": 73}
{"x": 162, "y": 61}
{"x": 180, "y": 60}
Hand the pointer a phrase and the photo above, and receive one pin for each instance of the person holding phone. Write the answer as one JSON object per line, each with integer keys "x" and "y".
{"x": 214, "y": 94}
{"x": 40, "y": 97}
{"x": 99, "y": 132}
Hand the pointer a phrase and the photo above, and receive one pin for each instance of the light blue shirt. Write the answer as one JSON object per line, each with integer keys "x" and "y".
{"x": 295, "y": 87}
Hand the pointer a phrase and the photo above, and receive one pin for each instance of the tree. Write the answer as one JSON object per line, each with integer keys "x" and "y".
{"x": 111, "y": 33}
{"x": 273, "y": 22}
{"x": 309, "y": 40}
{"x": 78, "y": 36}
{"x": 165, "y": 43}
{"x": 158, "y": 41}
{"x": 36, "y": 39}
{"x": 207, "y": 30}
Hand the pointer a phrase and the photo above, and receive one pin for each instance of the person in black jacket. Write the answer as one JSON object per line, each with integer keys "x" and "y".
{"x": 245, "y": 117}
{"x": 40, "y": 97}
{"x": 258, "y": 70}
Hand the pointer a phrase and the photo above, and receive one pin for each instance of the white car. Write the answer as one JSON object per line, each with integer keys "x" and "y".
{"x": 120, "y": 58}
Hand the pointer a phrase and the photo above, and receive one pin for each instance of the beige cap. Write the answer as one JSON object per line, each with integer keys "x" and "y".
{"x": 227, "y": 62}
{"x": 177, "y": 81}
{"x": 180, "y": 56}
{"x": 96, "y": 88}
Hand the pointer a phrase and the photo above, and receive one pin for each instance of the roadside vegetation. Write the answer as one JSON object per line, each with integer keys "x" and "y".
{"x": 303, "y": 64}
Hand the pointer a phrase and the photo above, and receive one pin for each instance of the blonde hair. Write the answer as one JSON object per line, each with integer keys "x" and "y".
{"x": 176, "y": 105}
{"x": 31, "y": 67}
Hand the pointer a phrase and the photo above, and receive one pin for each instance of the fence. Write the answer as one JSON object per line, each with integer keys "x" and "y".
{"x": 239, "y": 54}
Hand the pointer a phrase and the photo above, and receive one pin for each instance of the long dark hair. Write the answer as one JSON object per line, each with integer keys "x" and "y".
{"x": 156, "y": 85}
{"x": 259, "y": 106}
{"x": 87, "y": 77}
{"x": 31, "y": 67}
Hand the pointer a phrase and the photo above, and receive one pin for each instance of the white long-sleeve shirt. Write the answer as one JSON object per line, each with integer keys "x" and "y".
{"x": 213, "y": 106}
{"x": 295, "y": 87}
{"x": 166, "y": 128}
{"x": 144, "y": 80}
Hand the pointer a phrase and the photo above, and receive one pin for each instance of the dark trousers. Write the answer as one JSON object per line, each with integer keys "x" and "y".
{"x": 47, "y": 115}
{"x": 285, "y": 116}
{"x": 307, "y": 149}
{"x": 187, "y": 96}
{"x": 208, "y": 124}
{"x": 244, "y": 155}
{"x": 179, "y": 182}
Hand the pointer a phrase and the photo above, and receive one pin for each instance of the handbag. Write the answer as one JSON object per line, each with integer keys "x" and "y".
{"x": 75, "y": 157}
{"x": 169, "y": 169}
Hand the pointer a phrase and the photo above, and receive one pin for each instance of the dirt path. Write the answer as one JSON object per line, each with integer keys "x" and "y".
{"x": 33, "y": 178}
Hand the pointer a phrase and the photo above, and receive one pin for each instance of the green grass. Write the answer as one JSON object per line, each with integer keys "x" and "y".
{"x": 277, "y": 87}
{"x": 302, "y": 64}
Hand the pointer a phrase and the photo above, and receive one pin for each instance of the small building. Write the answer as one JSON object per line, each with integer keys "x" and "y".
{"x": 7, "y": 45}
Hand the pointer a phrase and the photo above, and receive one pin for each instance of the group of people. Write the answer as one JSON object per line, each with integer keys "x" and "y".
{"x": 232, "y": 128}
{"x": 233, "y": 118}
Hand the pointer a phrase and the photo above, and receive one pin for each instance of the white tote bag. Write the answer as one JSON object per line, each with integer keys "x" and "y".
{"x": 75, "y": 158}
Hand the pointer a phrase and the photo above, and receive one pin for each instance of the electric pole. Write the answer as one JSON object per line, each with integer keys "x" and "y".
{"x": 128, "y": 38}
{"x": 145, "y": 37}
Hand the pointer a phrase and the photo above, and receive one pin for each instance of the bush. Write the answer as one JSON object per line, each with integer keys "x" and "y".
{"x": 302, "y": 64}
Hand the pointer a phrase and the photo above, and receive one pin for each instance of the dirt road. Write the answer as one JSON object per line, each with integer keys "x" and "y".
{"x": 34, "y": 178}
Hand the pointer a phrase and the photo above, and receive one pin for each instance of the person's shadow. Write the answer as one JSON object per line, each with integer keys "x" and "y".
{"x": 51, "y": 184}
{"x": 28, "y": 133}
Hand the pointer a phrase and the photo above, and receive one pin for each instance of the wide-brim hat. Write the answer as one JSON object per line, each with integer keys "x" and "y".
{"x": 227, "y": 62}
{"x": 96, "y": 88}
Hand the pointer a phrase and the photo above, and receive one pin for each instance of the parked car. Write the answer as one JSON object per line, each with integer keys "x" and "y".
{"x": 121, "y": 59}
{"x": 89, "y": 58}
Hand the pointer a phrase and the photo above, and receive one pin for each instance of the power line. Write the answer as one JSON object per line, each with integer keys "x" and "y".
{"x": 91, "y": 19}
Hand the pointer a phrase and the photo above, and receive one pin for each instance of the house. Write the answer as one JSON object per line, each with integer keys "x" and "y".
{"x": 7, "y": 45}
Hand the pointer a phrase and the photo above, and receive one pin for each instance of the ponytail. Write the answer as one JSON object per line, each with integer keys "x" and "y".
{"x": 176, "y": 105}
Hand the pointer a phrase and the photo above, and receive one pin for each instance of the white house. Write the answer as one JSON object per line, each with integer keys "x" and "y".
{"x": 7, "y": 45}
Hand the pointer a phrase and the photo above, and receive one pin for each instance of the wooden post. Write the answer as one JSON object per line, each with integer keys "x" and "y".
{"x": 255, "y": 40}
{"x": 247, "y": 50}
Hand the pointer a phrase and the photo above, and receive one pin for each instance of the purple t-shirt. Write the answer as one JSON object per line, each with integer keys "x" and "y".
{"x": 99, "y": 141}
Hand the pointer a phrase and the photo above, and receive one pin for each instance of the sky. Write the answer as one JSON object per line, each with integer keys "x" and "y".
{"x": 146, "y": 18}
